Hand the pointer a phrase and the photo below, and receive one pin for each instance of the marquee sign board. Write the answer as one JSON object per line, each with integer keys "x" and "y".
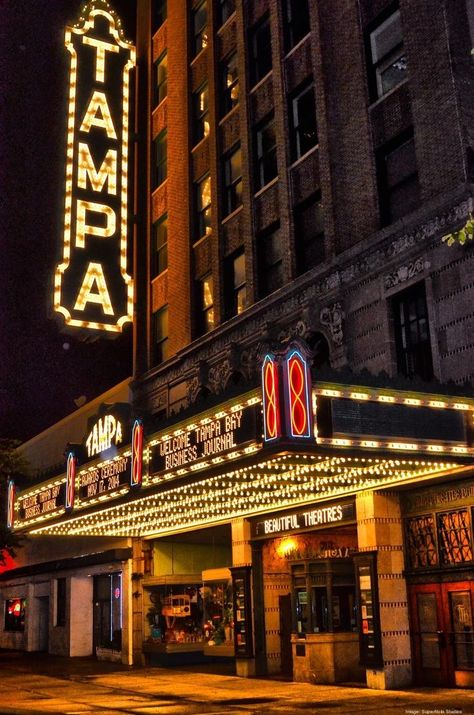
{"x": 93, "y": 289}
{"x": 213, "y": 438}
{"x": 43, "y": 502}
{"x": 106, "y": 479}
{"x": 321, "y": 516}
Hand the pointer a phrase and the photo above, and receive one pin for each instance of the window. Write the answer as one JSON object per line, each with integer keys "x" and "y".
{"x": 235, "y": 284}
{"x": 60, "y": 601}
{"x": 159, "y": 13}
{"x": 304, "y": 133}
{"x": 412, "y": 333}
{"x": 260, "y": 50}
{"x": 200, "y": 27}
{"x": 309, "y": 234}
{"x": 266, "y": 156}
{"x": 270, "y": 261}
{"x": 226, "y": 8}
{"x": 229, "y": 80}
{"x": 161, "y": 78}
{"x": 160, "y": 335}
{"x": 454, "y": 537}
{"x": 421, "y": 541}
{"x": 160, "y": 245}
{"x": 206, "y": 304}
{"x": 160, "y": 164}
{"x": 296, "y": 16}
{"x": 201, "y": 113}
{"x": 15, "y": 614}
{"x": 387, "y": 56}
{"x": 203, "y": 207}
{"x": 399, "y": 189}
{"x": 232, "y": 181}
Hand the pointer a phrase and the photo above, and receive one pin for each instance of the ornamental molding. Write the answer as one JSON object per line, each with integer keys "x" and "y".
{"x": 332, "y": 317}
{"x": 405, "y": 273}
{"x": 285, "y": 316}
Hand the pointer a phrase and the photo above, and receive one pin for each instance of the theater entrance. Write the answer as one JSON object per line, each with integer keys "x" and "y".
{"x": 443, "y": 634}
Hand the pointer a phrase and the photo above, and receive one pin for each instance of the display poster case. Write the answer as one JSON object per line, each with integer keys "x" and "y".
{"x": 218, "y": 627}
{"x": 242, "y": 605}
{"x": 369, "y": 621}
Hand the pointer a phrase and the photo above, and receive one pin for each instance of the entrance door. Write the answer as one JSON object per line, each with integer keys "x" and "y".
{"x": 443, "y": 634}
{"x": 43, "y": 623}
{"x": 284, "y": 603}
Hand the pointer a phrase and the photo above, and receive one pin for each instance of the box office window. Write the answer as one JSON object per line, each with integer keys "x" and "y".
{"x": 15, "y": 609}
{"x": 60, "y": 601}
{"x": 324, "y": 597}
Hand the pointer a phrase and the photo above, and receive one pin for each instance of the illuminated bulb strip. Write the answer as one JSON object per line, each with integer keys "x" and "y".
{"x": 398, "y": 397}
{"x": 278, "y": 483}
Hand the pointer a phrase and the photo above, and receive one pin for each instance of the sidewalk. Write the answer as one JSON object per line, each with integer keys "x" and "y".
{"x": 83, "y": 685}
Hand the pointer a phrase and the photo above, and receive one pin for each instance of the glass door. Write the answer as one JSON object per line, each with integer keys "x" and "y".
{"x": 430, "y": 642}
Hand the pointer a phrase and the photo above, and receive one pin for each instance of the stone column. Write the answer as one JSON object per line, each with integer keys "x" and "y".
{"x": 242, "y": 556}
{"x": 137, "y": 615}
{"x": 379, "y": 528}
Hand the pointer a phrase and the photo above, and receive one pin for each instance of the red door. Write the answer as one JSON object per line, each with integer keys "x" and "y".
{"x": 429, "y": 634}
{"x": 443, "y": 633}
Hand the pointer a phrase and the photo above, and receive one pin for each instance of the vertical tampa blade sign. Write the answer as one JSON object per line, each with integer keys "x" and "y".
{"x": 92, "y": 287}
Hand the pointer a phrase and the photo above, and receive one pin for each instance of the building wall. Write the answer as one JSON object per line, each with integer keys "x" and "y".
{"x": 346, "y": 298}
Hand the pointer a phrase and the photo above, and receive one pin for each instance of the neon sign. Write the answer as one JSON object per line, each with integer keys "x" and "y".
{"x": 271, "y": 398}
{"x": 298, "y": 391}
{"x": 93, "y": 289}
{"x": 105, "y": 433}
{"x": 70, "y": 480}
{"x": 11, "y": 504}
{"x": 137, "y": 454}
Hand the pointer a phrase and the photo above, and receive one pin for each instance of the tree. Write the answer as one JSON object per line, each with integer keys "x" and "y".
{"x": 466, "y": 233}
{"x": 12, "y": 466}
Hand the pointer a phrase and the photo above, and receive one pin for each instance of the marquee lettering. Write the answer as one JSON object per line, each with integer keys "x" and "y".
{"x": 106, "y": 432}
{"x": 93, "y": 288}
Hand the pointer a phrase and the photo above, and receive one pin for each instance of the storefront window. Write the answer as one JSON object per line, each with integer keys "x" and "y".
{"x": 15, "y": 614}
{"x": 218, "y": 619}
{"x": 176, "y": 614}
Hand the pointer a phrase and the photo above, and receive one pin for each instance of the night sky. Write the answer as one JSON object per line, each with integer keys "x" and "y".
{"x": 42, "y": 369}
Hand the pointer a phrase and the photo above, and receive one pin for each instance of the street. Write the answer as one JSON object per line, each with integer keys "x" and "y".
{"x": 38, "y": 684}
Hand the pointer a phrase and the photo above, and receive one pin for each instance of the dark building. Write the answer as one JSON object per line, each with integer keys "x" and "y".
{"x": 307, "y": 490}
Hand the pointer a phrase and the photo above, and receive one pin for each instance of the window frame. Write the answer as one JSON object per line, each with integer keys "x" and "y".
{"x": 206, "y": 323}
{"x": 232, "y": 290}
{"x": 200, "y": 115}
{"x": 158, "y": 96}
{"x": 202, "y": 227}
{"x": 289, "y": 25}
{"x": 257, "y": 47}
{"x": 224, "y": 14}
{"x": 297, "y": 123}
{"x": 303, "y": 262}
{"x": 160, "y": 346}
{"x": 389, "y": 58}
{"x": 406, "y": 350}
{"x": 226, "y": 101}
{"x": 232, "y": 196}
{"x": 160, "y": 249}
{"x": 10, "y": 625}
{"x": 386, "y": 191}
{"x": 264, "y": 268}
{"x": 160, "y": 167}
{"x": 261, "y": 157}
{"x": 159, "y": 14}
{"x": 199, "y": 35}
